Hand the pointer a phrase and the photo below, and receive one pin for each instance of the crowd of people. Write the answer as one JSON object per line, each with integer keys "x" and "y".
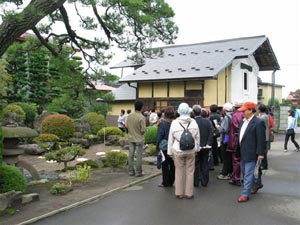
{"x": 236, "y": 136}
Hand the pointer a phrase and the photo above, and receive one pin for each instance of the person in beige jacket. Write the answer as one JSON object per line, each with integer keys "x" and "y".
{"x": 184, "y": 160}
{"x": 136, "y": 126}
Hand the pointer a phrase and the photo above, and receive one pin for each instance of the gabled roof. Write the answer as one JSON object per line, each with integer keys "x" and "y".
{"x": 203, "y": 60}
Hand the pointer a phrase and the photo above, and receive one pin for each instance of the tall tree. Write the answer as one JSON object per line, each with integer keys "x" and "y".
{"x": 132, "y": 25}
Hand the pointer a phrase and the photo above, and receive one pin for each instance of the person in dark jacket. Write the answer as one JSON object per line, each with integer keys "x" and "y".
{"x": 215, "y": 118}
{"x": 206, "y": 138}
{"x": 252, "y": 147}
{"x": 168, "y": 168}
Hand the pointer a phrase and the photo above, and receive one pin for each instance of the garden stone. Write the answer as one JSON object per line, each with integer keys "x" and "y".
{"x": 32, "y": 197}
{"x": 150, "y": 159}
{"x": 7, "y": 198}
{"x": 32, "y": 149}
{"x": 38, "y": 121}
{"x": 124, "y": 143}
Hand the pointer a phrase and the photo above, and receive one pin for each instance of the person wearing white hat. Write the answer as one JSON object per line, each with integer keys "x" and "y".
{"x": 184, "y": 160}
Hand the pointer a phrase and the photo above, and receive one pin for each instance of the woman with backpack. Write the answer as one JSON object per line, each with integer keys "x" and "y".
{"x": 184, "y": 137}
{"x": 167, "y": 166}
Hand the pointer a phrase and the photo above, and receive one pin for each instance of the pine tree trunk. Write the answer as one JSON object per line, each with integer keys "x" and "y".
{"x": 15, "y": 25}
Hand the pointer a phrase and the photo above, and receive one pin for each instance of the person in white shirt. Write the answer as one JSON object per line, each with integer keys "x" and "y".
{"x": 290, "y": 131}
{"x": 153, "y": 117}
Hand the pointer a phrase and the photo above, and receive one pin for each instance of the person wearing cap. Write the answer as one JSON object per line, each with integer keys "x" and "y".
{"x": 237, "y": 118}
{"x": 224, "y": 129}
{"x": 184, "y": 160}
{"x": 252, "y": 147}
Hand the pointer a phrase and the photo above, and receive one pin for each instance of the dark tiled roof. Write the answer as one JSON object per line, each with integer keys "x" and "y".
{"x": 203, "y": 60}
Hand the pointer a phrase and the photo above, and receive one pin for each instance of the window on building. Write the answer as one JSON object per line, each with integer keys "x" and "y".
{"x": 245, "y": 81}
{"x": 193, "y": 93}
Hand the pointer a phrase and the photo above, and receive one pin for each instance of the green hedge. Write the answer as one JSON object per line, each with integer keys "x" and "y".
{"x": 11, "y": 179}
{"x": 1, "y": 145}
{"x": 116, "y": 159}
{"x": 150, "y": 135}
{"x": 58, "y": 124}
{"x": 96, "y": 121}
{"x": 109, "y": 131}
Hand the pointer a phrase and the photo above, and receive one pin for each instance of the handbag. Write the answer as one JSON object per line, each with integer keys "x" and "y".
{"x": 158, "y": 161}
{"x": 271, "y": 137}
{"x": 163, "y": 145}
{"x": 226, "y": 138}
{"x": 256, "y": 169}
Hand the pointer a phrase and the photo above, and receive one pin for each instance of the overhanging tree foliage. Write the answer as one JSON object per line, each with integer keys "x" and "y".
{"x": 132, "y": 25}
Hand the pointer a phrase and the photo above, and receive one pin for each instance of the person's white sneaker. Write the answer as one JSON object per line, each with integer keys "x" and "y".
{"x": 285, "y": 150}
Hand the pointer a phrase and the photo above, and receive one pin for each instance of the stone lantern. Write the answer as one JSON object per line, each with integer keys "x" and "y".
{"x": 12, "y": 134}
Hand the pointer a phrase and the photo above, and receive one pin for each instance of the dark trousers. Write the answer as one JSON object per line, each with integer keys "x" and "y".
{"x": 236, "y": 168}
{"x": 168, "y": 171}
{"x": 227, "y": 160}
{"x": 201, "y": 168}
{"x": 290, "y": 133}
{"x": 216, "y": 152}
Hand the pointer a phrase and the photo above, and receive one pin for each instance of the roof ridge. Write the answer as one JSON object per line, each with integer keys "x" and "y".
{"x": 212, "y": 42}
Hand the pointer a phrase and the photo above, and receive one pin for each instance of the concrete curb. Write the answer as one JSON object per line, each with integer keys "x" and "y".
{"x": 94, "y": 198}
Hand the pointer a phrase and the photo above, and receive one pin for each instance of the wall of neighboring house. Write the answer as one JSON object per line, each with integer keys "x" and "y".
{"x": 118, "y": 105}
{"x": 266, "y": 90}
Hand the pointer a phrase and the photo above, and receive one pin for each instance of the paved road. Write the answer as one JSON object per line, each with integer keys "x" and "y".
{"x": 278, "y": 203}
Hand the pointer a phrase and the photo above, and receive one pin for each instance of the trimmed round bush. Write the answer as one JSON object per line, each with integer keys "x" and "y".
{"x": 96, "y": 121}
{"x": 46, "y": 138}
{"x": 116, "y": 159}
{"x": 150, "y": 135}
{"x": 109, "y": 131}
{"x": 30, "y": 112}
{"x": 17, "y": 111}
{"x": 58, "y": 124}
{"x": 11, "y": 179}
{"x": 1, "y": 145}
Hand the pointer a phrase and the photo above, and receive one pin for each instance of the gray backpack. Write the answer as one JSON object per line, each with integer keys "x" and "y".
{"x": 187, "y": 141}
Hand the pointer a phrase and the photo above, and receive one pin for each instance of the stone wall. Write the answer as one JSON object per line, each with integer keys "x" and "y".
{"x": 283, "y": 118}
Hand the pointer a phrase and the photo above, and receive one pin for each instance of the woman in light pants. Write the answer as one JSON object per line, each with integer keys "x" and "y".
{"x": 184, "y": 159}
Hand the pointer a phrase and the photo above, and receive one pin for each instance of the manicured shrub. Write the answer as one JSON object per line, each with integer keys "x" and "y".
{"x": 82, "y": 174}
{"x": 61, "y": 188}
{"x": 11, "y": 179}
{"x": 46, "y": 138}
{"x": 65, "y": 155}
{"x": 116, "y": 159}
{"x": 150, "y": 135}
{"x": 91, "y": 163}
{"x": 30, "y": 112}
{"x": 151, "y": 150}
{"x": 58, "y": 124}
{"x": 1, "y": 145}
{"x": 96, "y": 121}
{"x": 16, "y": 111}
{"x": 109, "y": 131}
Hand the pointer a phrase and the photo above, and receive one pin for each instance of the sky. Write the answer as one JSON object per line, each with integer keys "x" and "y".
{"x": 212, "y": 20}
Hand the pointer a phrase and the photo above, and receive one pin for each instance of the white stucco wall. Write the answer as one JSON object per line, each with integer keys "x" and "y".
{"x": 237, "y": 80}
